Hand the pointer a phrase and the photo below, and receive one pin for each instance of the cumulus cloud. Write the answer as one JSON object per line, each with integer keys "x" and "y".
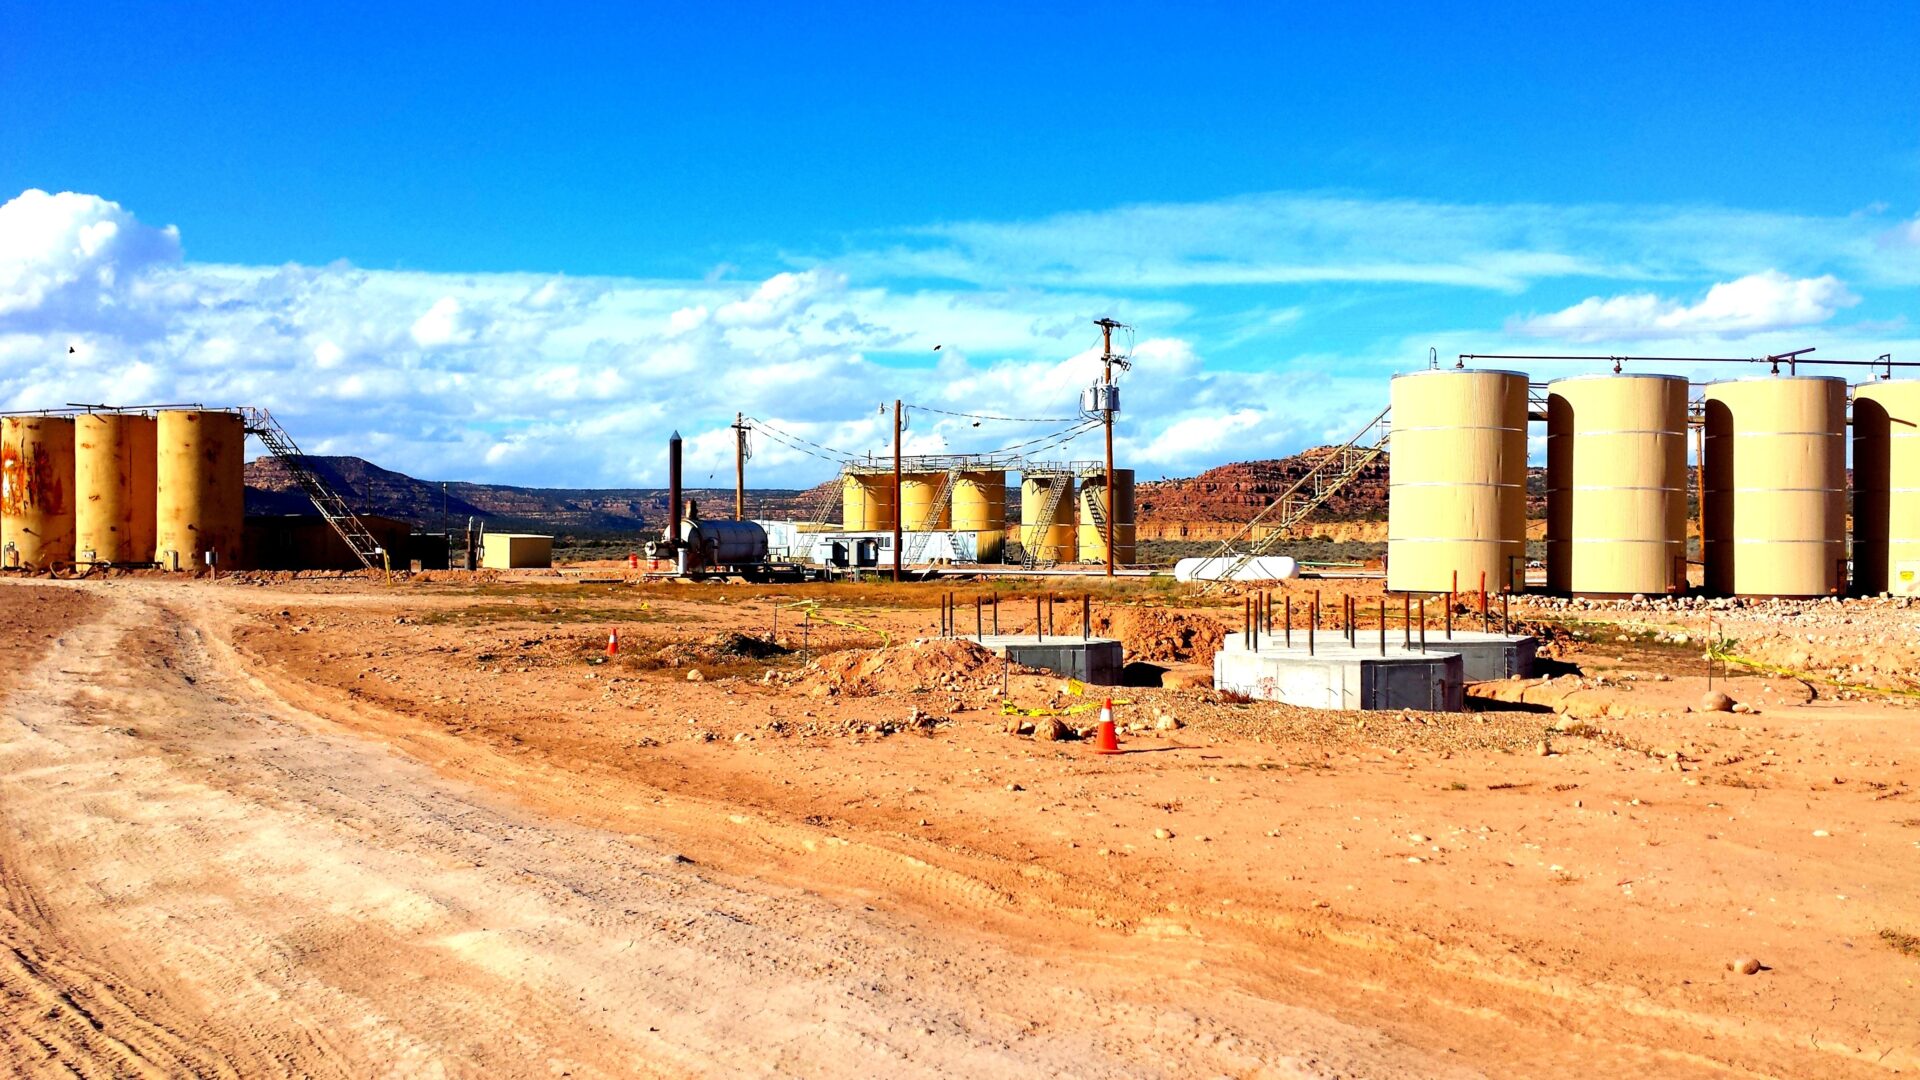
{"x": 536, "y": 379}
{"x": 78, "y": 260}
{"x": 1753, "y": 304}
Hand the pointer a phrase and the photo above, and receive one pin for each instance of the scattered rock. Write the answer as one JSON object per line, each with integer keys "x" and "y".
{"x": 1168, "y": 722}
{"x": 1745, "y": 965}
{"x": 693, "y": 675}
{"x": 1049, "y": 729}
{"x": 1162, "y": 834}
{"x": 1715, "y": 701}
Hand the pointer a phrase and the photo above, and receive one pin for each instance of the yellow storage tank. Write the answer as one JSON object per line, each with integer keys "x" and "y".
{"x": 1886, "y": 488}
{"x": 200, "y": 489}
{"x": 36, "y": 491}
{"x": 1774, "y": 492}
{"x": 1093, "y": 516}
{"x": 1048, "y": 537}
{"x": 923, "y": 504}
{"x": 1617, "y": 485}
{"x": 866, "y": 502}
{"x": 980, "y": 506}
{"x": 1457, "y": 481}
{"x": 114, "y": 478}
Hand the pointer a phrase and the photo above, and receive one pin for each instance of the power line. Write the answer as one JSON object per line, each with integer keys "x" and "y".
{"x": 1008, "y": 419}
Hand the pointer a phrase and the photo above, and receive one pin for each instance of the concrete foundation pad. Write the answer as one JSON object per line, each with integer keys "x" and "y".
{"x": 1339, "y": 676}
{"x": 1487, "y": 656}
{"x": 1095, "y": 661}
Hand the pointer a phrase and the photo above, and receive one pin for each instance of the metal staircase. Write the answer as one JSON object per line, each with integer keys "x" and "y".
{"x": 260, "y": 422}
{"x": 1305, "y": 495}
{"x": 1057, "y": 486}
{"x": 919, "y": 541}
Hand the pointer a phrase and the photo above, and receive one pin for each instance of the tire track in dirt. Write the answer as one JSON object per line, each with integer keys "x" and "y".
{"x": 297, "y": 902}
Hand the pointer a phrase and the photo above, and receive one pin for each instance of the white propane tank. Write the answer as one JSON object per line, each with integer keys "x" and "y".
{"x": 1260, "y": 568}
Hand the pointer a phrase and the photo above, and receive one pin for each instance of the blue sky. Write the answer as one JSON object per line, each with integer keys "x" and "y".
{"x": 508, "y": 243}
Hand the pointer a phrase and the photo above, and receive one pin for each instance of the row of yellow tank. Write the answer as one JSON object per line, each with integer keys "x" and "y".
{"x": 1773, "y": 485}
{"x": 122, "y": 488}
{"x": 1073, "y": 530}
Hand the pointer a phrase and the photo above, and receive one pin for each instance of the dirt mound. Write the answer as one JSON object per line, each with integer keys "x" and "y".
{"x": 720, "y": 648}
{"x": 1167, "y": 637}
{"x": 947, "y": 664}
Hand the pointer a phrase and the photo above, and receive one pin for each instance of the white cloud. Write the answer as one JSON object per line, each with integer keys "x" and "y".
{"x": 1753, "y": 304}
{"x": 445, "y": 323}
{"x": 76, "y": 259}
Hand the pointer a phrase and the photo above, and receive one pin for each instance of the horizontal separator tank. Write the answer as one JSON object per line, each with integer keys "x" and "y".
{"x": 866, "y": 502}
{"x": 980, "y": 505}
{"x": 36, "y": 491}
{"x": 1886, "y": 487}
{"x": 115, "y": 480}
{"x": 1093, "y": 512}
{"x": 1049, "y": 538}
{"x": 1774, "y": 491}
{"x": 1457, "y": 480}
{"x": 1617, "y": 485}
{"x": 200, "y": 489}
{"x": 923, "y": 506}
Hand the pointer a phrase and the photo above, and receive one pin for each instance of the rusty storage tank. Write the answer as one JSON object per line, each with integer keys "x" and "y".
{"x": 923, "y": 502}
{"x": 1457, "y": 481}
{"x": 1048, "y": 537}
{"x": 200, "y": 490}
{"x": 36, "y": 491}
{"x": 1774, "y": 490}
{"x": 1093, "y": 515}
{"x": 866, "y": 502}
{"x": 980, "y": 506}
{"x": 1617, "y": 485}
{"x": 114, "y": 482}
{"x": 1886, "y": 488}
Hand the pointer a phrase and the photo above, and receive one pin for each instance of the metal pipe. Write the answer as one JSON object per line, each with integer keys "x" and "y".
{"x": 1313, "y": 623}
{"x": 671, "y": 534}
{"x": 1289, "y": 606}
{"x": 978, "y": 626}
{"x": 1086, "y": 618}
{"x": 1506, "y": 624}
{"x": 1383, "y": 624}
{"x": 1039, "y": 630}
{"x": 1423, "y": 624}
{"x": 1406, "y": 620}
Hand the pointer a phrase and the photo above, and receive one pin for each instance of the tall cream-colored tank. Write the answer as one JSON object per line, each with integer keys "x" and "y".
{"x": 866, "y": 502}
{"x": 980, "y": 506}
{"x": 1617, "y": 485}
{"x": 200, "y": 489}
{"x": 921, "y": 498}
{"x": 1048, "y": 537}
{"x": 1774, "y": 492}
{"x": 1093, "y": 514}
{"x": 36, "y": 491}
{"x": 1886, "y": 488}
{"x": 1457, "y": 480}
{"x": 114, "y": 477}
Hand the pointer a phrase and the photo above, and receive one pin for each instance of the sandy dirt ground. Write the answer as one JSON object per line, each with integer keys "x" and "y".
{"x": 264, "y": 827}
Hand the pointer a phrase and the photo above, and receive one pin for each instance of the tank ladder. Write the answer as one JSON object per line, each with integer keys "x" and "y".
{"x": 1305, "y": 495}
{"x": 920, "y": 540}
{"x": 332, "y": 507}
{"x": 1030, "y": 553}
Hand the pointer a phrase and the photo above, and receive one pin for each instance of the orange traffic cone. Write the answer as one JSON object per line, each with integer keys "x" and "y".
{"x": 613, "y": 643}
{"x": 1107, "y": 742}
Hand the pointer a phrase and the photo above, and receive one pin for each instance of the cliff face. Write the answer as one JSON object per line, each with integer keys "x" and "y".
{"x": 1236, "y": 492}
{"x": 370, "y": 489}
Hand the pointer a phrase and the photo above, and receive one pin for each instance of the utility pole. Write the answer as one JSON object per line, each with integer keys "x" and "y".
{"x": 896, "y": 489}
{"x": 739, "y": 467}
{"x": 1108, "y": 404}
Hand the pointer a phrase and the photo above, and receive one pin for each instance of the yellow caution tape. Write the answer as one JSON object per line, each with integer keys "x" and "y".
{"x": 1008, "y": 708}
{"x": 813, "y": 610}
{"x": 1076, "y": 687}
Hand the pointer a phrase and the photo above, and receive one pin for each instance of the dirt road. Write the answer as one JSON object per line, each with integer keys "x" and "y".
{"x": 201, "y": 878}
